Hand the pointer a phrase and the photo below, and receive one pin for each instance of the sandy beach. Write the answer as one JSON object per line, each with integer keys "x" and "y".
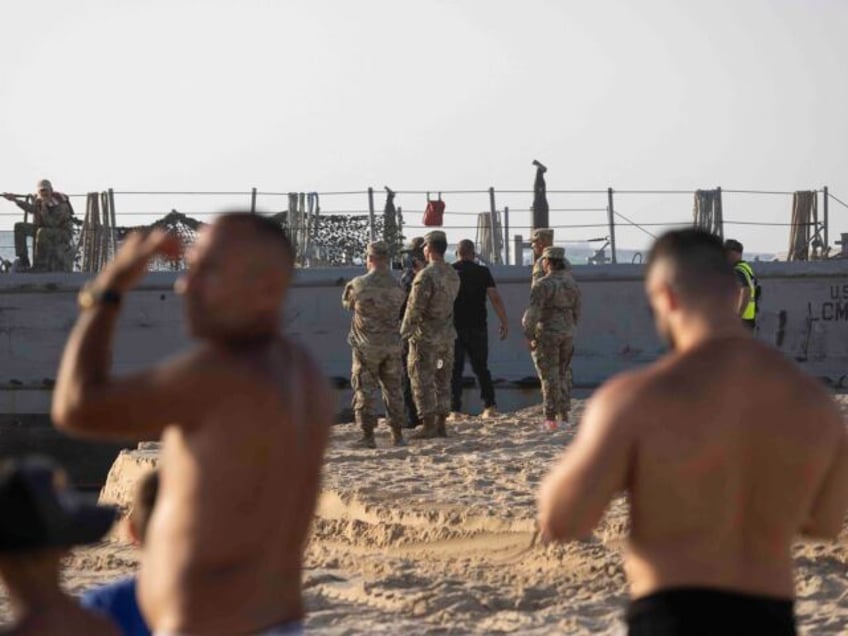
{"x": 435, "y": 538}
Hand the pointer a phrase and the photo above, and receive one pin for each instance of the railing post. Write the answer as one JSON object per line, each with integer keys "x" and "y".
{"x": 496, "y": 256}
{"x": 611, "y": 215}
{"x": 253, "y": 201}
{"x": 112, "y": 221}
{"x": 371, "y": 229}
{"x": 506, "y": 235}
{"x": 518, "y": 248}
{"x": 825, "y": 219}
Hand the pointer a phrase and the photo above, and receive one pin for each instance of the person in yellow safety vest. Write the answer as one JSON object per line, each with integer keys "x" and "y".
{"x": 748, "y": 285}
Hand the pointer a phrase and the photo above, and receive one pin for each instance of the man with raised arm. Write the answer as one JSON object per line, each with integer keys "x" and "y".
{"x": 244, "y": 419}
{"x": 726, "y": 450}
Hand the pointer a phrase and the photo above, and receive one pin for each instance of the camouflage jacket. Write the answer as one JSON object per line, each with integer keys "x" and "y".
{"x": 429, "y": 310}
{"x": 53, "y": 213}
{"x": 554, "y": 306}
{"x": 375, "y": 299}
{"x": 539, "y": 273}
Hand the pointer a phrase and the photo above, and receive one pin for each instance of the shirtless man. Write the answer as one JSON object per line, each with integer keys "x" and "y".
{"x": 726, "y": 450}
{"x": 244, "y": 420}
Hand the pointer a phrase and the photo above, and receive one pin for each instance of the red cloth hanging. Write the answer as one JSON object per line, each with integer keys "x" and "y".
{"x": 434, "y": 213}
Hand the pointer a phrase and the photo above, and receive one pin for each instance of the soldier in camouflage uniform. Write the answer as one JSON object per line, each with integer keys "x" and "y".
{"x": 51, "y": 229}
{"x": 413, "y": 262}
{"x": 375, "y": 299}
{"x": 549, "y": 324}
{"x": 542, "y": 238}
{"x": 428, "y": 326}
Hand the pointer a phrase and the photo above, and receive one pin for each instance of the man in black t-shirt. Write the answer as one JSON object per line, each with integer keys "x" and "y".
{"x": 472, "y": 336}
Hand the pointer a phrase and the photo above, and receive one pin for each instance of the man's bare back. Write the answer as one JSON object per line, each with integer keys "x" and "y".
{"x": 244, "y": 420}
{"x": 726, "y": 450}
{"x": 729, "y": 446}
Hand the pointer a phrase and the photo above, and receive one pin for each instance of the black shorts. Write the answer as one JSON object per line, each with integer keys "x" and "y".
{"x": 693, "y": 611}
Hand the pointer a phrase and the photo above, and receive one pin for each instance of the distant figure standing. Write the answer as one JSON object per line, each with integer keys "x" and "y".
{"x": 541, "y": 238}
{"x": 51, "y": 229}
{"x": 244, "y": 419}
{"x": 428, "y": 326}
{"x": 413, "y": 262}
{"x": 40, "y": 520}
{"x": 726, "y": 451}
{"x": 748, "y": 303}
{"x": 549, "y": 326}
{"x": 472, "y": 332}
{"x": 375, "y": 299}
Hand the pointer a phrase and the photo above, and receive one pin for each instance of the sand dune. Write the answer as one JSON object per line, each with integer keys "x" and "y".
{"x": 436, "y": 538}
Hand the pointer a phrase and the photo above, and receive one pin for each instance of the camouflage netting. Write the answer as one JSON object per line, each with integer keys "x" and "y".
{"x": 335, "y": 240}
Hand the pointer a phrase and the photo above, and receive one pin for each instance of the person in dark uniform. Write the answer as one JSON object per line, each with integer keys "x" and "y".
{"x": 472, "y": 336}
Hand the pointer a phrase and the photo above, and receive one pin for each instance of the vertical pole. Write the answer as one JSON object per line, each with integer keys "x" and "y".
{"x": 518, "y": 248}
{"x": 253, "y": 200}
{"x": 496, "y": 256}
{"x": 112, "y": 220}
{"x": 720, "y": 211}
{"x": 611, "y": 215}
{"x": 825, "y": 219}
{"x": 371, "y": 229}
{"x": 506, "y": 235}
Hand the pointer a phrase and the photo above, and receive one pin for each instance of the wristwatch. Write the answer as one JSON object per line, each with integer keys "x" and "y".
{"x": 90, "y": 296}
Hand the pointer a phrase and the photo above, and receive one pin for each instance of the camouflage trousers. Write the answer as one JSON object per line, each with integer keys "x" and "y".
{"x": 373, "y": 369}
{"x": 430, "y": 366}
{"x": 552, "y": 358}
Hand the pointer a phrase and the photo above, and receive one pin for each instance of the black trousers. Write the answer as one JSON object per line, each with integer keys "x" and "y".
{"x": 473, "y": 341}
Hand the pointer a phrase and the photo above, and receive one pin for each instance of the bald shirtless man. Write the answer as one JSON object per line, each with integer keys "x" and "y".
{"x": 726, "y": 450}
{"x": 244, "y": 420}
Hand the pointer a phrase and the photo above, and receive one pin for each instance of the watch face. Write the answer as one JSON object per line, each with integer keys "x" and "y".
{"x": 85, "y": 299}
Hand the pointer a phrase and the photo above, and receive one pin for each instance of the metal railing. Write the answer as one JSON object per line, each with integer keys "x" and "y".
{"x": 626, "y": 216}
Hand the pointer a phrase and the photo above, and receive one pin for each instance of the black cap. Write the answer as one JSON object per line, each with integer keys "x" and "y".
{"x": 732, "y": 245}
{"x": 37, "y": 509}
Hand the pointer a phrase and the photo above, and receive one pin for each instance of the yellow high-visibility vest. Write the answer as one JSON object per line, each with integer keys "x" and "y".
{"x": 751, "y": 308}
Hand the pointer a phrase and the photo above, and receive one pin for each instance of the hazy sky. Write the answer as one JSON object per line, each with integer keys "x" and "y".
{"x": 342, "y": 95}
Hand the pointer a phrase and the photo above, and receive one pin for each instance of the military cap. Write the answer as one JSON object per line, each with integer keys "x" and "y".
{"x": 378, "y": 248}
{"x": 556, "y": 253}
{"x": 542, "y": 233}
{"x": 416, "y": 244}
{"x": 435, "y": 235}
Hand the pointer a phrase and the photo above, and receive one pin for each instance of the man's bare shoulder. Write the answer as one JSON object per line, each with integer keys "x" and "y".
{"x": 625, "y": 394}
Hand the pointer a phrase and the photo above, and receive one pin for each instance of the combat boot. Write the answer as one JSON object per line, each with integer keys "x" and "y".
{"x": 367, "y": 440}
{"x": 441, "y": 427}
{"x": 397, "y": 436}
{"x": 429, "y": 428}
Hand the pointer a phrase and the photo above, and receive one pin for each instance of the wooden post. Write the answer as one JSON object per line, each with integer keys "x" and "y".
{"x": 506, "y": 235}
{"x": 611, "y": 216}
{"x": 496, "y": 256}
{"x": 113, "y": 216}
{"x": 253, "y": 200}
{"x": 371, "y": 229}
{"x": 825, "y": 219}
